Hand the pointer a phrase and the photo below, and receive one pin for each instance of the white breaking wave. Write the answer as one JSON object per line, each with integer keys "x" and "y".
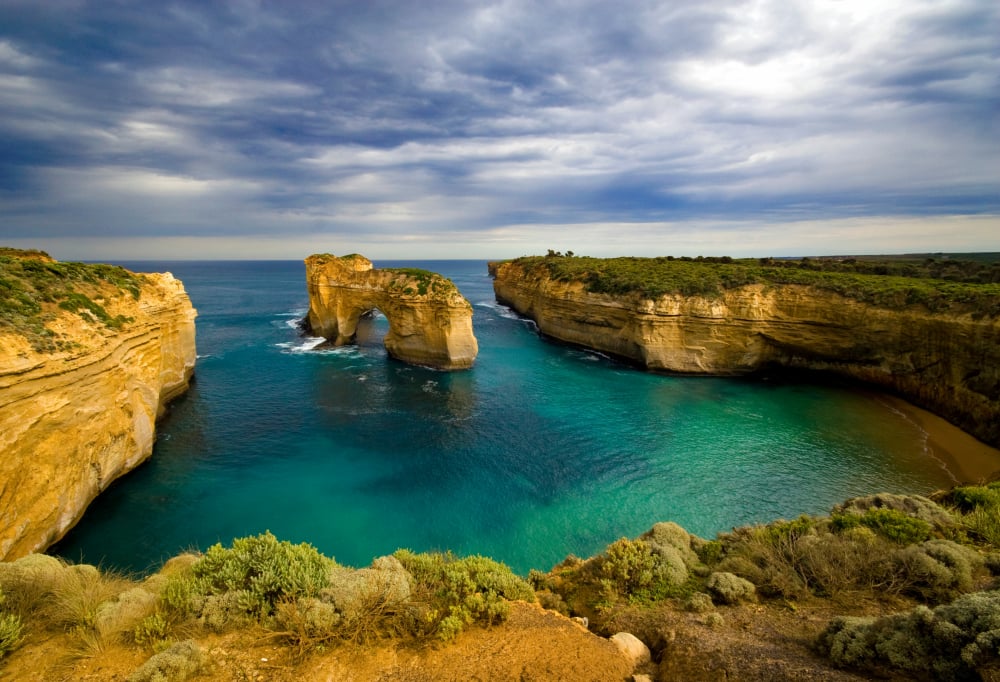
{"x": 311, "y": 344}
{"x": 499, "y": 309}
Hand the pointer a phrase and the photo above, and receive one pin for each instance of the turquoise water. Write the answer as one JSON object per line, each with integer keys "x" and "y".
{"x": 539, "y": 451}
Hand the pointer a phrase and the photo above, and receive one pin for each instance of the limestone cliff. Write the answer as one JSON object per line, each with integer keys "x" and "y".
{"x": 78, "y": 412}
{"x": 430, "y": 322}
{"x": 948, "y": 363}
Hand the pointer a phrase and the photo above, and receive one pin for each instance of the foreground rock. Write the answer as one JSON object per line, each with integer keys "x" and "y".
{"x": 430, "y": 322}
{"x": 76, "y": 416}
{"x": 946, "y": 362}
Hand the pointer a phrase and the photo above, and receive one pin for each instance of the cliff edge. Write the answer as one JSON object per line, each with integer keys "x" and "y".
{"x": 89, "y": 357}
{"x": 430, "y": 322}
{"x": 946, "y": 360}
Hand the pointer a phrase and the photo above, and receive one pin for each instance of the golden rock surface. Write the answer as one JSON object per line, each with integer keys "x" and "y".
{"x": 430, "y": 322}
{"x": 74, "y": 420}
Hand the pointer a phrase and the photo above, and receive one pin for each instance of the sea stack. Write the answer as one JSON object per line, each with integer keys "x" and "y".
{"x": 89, "y": 357}
{"x": 430, "y": 322}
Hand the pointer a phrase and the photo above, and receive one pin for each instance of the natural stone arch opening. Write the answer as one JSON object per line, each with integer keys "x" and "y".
{"x": 430, "y": 322}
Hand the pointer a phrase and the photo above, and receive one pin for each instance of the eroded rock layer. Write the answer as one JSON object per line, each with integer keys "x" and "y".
{"x": 947, "y": 363}
{"x": 430, "y": 322}
{"x": 74, "y": 419}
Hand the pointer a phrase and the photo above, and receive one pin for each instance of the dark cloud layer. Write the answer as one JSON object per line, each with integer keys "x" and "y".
{"x": 490, "y": 128}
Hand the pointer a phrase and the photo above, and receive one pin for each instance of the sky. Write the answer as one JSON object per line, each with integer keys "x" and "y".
{"x": 449, "y": 129}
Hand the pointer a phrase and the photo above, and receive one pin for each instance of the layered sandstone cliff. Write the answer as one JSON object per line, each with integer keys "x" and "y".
{"x": 430, "y": 322}
{"x": 75, "y": 417}
{"x": 948, "y": 363}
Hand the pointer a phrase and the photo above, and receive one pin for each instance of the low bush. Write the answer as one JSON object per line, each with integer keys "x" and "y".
{"x": 950, "y": 642}
{"x": 727, "y": 588}
{"x": 938, "y": 570}
{"x": 638, "y": 570}
{"x": 178, "y": 663}
{"x": 454, "y": 592}
{"x": 11, "y": 630}
{"x": 699, "y": 602}
{"x": 793, "y": 559}
{"x": 915, "y": 506}
{"x": 891, "y": 524}
{"x": 257, "y": 572}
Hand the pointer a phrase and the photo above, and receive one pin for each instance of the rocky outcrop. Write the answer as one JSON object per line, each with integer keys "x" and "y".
{"x": 430, "y": 322}
{"x": 74, "y": 419}
{"x": 948, "y": 363}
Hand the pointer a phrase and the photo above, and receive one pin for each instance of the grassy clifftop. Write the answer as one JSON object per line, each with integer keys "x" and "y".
{"x": 937, "y": 284}
{"x": 34, "y": 289}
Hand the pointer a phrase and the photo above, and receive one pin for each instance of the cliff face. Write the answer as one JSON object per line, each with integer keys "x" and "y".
{"x": 949, "y": 364}
{"x": 430, "y": 322}
{"x": 73, "y": 420}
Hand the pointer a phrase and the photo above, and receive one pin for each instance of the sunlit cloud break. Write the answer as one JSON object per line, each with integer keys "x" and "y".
{"x": 479, "y": 130}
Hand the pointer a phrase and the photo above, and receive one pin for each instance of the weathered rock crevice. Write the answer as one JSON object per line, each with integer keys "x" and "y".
{"x": 946, "y": 363}
{"x": 430, "y": 322}
{"x": 74, "y": 420}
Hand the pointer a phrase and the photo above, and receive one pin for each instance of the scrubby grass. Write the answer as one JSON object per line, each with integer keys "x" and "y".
{"x": 978, "y": 510}
{"x": 950, "y": 642}
{"x": 34, "y": 287}
{"x": 300, "y": 596}
{"x": 460, "y": 591}
{"x": 969, "y": 288}
{"x": 421, "y": 282}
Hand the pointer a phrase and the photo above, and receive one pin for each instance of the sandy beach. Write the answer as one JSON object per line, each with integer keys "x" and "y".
{"x": 968, "y": 459}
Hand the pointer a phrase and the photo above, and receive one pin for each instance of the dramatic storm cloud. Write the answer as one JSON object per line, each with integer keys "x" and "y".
{"x": 494, "y": 129}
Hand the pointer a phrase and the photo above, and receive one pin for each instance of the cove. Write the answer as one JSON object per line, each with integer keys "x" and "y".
{"x": 539, "y": 451}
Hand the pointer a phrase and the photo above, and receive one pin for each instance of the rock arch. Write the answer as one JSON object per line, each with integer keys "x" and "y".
{"x": 430, "y": 322}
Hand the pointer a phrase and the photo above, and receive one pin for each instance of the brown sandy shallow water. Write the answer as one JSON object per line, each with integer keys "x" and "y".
{"x": 966, "y": 458}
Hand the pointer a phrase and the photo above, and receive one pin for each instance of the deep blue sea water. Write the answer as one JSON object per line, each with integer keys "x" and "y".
{"x": 539, "y": 451}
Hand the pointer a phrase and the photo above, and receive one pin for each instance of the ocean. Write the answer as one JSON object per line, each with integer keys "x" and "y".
{"x": 540, "y": 451}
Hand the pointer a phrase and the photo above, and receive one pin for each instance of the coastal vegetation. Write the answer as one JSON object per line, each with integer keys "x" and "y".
{"x": 938, "y": 284}
{"x": 34, "y": 288}
{"x": 424, "y": 281}
{"x": 914, "y": 579}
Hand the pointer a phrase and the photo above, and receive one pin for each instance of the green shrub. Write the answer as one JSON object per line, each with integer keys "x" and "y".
{"x": 796, "y": 559}
{"x": 27, "y": 582}
{"x": 699, "y": 602}
{"x": 938, "y": 569}
{"x": 639, "y": 570}
{"x": 730, "y": 589}
{"x": 710, "y": 552}
{"x": 984, "y": 525}
{"x": 151, "y": 631}
{"x": 950, "y": 642}
{"x": 669, "y": 534}
{"x": 11, "y": 630}
{"x": 891, "y": 524}
{"x": 628, "y": 567}
{"x": 461, "y": 591}
{"x": 260, "y": 570}
{"x": 11, "y": 633}
{"x": 969, "y": 498}
{"x": 175, "y": 664}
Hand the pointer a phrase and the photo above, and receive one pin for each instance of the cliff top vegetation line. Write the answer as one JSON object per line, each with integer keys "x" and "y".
{"x": 961, "y": 286}
{"x": 34, "y": 288}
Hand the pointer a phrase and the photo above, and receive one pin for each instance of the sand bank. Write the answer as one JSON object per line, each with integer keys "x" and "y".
{"x": 967, "y": 458}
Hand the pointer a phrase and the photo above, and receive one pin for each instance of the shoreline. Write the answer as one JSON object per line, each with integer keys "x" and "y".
{"x": 965, "y": 457}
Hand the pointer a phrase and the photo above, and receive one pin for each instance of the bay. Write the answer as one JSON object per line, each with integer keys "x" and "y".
{"x": 539, "y": 451}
